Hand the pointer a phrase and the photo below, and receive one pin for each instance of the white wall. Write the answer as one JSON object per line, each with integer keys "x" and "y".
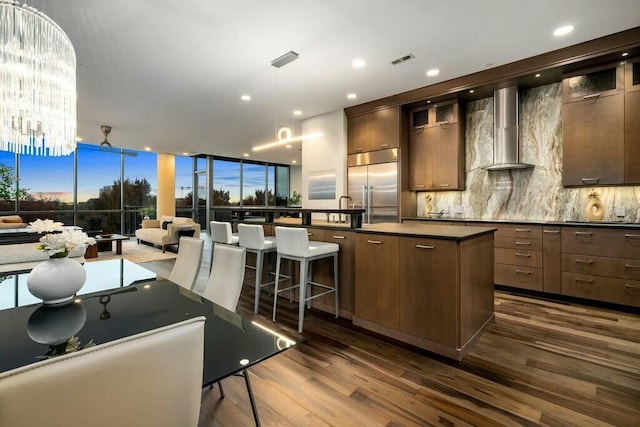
{"x": 326, "y": 153}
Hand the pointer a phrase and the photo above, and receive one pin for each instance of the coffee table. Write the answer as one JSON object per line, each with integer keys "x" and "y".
{"x": 109, "y": 239}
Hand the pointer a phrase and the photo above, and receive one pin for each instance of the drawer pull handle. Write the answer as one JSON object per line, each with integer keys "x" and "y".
{"x": 420, "y": 185}
{"x": 523, "y": 272}
{"x": 631, "y": 266}
{"x": 584, "y": 233}
{"x": 444, "y": 185}
{"x": 579, "y": 280}
{"x": 523, "y": 230}
{"x": 443, "y": 124}
{"x": 523, "y": 243}
{"x": 551, "y": 231}
{"x": 384, "y": 145}
{"x": 584, "y": 261}
{"x": 632, "y": 236}
{"x": 523, "y": 255}
{"x": 309, "y": 234}
{"x": 592, "y": 96}
{"x": 338, "y": 237}
{"x": 425, "y": 247}
{"x": 374, "y": 242}
{"x": 632, "y": 287}
{"x": 587, "y": 180}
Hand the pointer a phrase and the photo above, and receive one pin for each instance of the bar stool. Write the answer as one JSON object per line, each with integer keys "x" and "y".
{"x": 221, "y": 233}
{"x": 293, "y": 244}
{"x": 253, "y": 240}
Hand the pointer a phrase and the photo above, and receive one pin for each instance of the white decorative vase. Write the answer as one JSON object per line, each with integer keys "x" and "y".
{"x": 56, "y": 280}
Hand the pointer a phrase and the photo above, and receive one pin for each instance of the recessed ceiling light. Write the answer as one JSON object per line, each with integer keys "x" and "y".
{"x": 538, "y": 75}
{"x": 428, "y": 101}
{"x": 471, "y": 91}
{"x": 625, "y": 53}
{"x": 352, "y": 95}
{"x": 297, "y": 112}
{"x": 358, "y": 63}
{"x": 185, "y": 154}
{"x": 147, "y": 148}
{"x": 433, "y": 72}
{"x": 246, "y": 97}
{"x": 288, "y": 145}
{"x": 562, "y": 31}
{"x": 293, "y": 161}
{"x": 246, "y": 154}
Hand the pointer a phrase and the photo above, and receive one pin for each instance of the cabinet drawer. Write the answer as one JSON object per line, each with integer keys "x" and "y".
{"x": 518, "y": 257}
{"x": 518, "y": 276}
{"x": 520, "y": 231}
{"x": 619, "y": 291}
{"x": 601, "y": 266}
{"x": 518, "y": 243}
{"x": 601, "y": 242}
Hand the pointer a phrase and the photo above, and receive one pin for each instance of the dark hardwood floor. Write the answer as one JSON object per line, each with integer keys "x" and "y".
{"x": 540, "y": 362}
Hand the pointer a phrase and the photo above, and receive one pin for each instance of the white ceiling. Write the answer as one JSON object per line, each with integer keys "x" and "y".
{"x": 169, "y": 74}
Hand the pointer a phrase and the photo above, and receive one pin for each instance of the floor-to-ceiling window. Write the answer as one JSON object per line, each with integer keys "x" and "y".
{"x": 254, "y": 184}
{"x": 226, "y": 182}
{"x": 99, "y": 195}
{"x": 48, "y": 182}
{"x": 184, "y": 186}
{"x": 140, "y": 189}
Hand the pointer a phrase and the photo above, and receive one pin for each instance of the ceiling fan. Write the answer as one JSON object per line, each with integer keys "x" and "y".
{"x": 107, "y": 147}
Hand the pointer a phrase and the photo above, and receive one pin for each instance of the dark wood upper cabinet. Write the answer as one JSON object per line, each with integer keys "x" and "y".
{"x": 593, "y": 126}
{"x": 373, "y": 131}
{"x": 593, "y": 83}
{"x": 593, "y": 141}
{"x": 420, "y": 168}
{"x": 632, "y": 122}
{"x": 359, "y": 134}
{"x": 385, "y": 128}
{"x": 436, "y": 149}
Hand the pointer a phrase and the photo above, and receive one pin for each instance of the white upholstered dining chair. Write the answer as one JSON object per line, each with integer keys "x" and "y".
{"x": 187, "y": 266}
{"x": 227, "y": 276}
{"x": 221, "y": 232}
{"x": 149, "y": 379}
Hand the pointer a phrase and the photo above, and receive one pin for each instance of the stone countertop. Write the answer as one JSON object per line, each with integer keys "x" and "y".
{"x": 611, "y": 224}
{"x": 449, "y": 232}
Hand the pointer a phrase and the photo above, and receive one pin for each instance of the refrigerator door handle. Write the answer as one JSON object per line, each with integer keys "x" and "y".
{"x": 364, "y": 203}
{"x": 369, "y": 201}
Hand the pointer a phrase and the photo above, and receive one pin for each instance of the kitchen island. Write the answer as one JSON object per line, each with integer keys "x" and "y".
{"x": 428, "y": 286}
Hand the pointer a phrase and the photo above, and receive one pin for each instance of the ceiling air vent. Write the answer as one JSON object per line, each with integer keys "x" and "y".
{"x": 283, "y": 60}
{"x": 402, "y": 59}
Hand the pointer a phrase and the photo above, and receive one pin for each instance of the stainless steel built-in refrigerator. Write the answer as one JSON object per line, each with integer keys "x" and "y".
{"x": 373, "y": 185}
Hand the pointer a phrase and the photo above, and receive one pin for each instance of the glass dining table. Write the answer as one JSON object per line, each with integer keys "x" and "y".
{"x": 120, "y": 299}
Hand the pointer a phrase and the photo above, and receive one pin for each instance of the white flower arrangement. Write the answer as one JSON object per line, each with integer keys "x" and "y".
{"x": 58, "y": 245}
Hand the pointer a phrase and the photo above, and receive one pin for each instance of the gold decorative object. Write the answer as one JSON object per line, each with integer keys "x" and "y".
{"x": 594, "y": 209}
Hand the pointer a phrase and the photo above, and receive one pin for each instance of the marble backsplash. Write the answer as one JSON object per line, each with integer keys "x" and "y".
{"x": 524, "y": 194}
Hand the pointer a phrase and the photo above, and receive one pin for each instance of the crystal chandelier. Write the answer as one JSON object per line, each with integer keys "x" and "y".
{"x": 37, "y": 83}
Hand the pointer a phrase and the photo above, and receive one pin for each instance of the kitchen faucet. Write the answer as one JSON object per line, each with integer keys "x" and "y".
{"x": 340, "y": 206}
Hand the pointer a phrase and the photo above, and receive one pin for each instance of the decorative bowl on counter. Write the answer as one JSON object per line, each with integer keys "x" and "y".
{"x": 435, "y": 214}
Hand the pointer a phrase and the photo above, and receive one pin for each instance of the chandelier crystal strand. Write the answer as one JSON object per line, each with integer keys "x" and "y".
{"x": 38, "y": 83}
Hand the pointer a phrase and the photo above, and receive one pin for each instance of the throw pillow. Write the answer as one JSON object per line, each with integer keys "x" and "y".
{"x": 165, "y": 224}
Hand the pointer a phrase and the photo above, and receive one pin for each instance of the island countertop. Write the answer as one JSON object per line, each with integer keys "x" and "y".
{"x": 449, "y": 232}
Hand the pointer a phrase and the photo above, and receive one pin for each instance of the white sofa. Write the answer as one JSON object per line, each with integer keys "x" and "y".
{"x": 25, "y": 256}
{"x": 152, "y": 230}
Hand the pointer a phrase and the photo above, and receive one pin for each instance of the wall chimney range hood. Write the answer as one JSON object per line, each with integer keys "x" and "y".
{"x": 506, "y": 146}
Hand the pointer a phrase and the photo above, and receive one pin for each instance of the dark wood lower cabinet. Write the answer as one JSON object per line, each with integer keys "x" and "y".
{"x": 323, "y": 273}
{"x": 377, "y": 271}
{"x": 428, "y": 298}
{"x": 434, "y": 293}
